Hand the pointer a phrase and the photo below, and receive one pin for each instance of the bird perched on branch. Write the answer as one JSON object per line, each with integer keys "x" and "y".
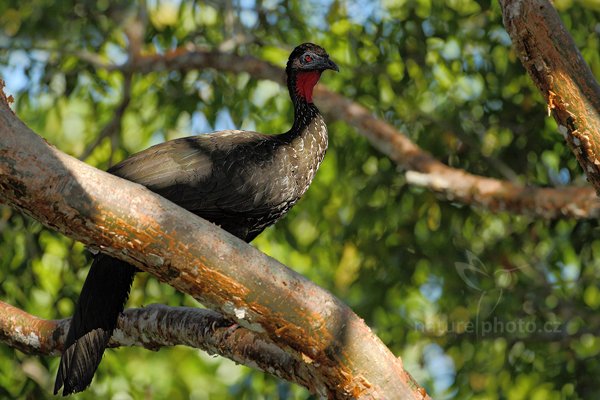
{"x": 240, "y": 180}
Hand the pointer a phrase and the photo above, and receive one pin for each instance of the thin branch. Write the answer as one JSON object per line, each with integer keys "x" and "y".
{"x": 155, "y": 326}
{"x": 453, "y": 184}
{"x": 129, "y": 222}
{"x": 557, "y": 68}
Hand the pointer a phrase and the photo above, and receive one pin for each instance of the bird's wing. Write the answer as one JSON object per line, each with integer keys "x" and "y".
{"x": 200, "y": 173}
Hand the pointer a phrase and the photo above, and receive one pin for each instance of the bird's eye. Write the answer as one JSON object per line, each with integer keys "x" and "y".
{"x": 307, "y": 58}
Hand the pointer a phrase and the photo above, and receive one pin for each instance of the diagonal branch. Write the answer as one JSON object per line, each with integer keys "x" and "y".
{"x": 453, "y": 184}
{"x": 129, "y": 222}
{"x": 556, "y": 66}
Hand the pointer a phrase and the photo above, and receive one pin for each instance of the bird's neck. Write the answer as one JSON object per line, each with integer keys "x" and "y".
{"x": 308, "y": 134}
{"x": 308, "y": 122}
{"x": 305, "y": 144}
{"x": 301, "y": 86}
{"x": 305, "y": 114}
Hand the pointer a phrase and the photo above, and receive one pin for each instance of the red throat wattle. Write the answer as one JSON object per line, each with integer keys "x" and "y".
{"x": 305, "y": 82}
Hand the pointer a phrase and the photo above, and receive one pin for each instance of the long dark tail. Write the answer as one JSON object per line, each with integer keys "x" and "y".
{"x": 102, "y": 299}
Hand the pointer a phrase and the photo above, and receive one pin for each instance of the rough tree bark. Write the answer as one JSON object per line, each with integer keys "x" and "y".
{"x": 551, "y": 58}
{"x": 124, "y": 219}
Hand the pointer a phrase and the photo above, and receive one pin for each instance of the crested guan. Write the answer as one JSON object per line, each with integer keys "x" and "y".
{"x": 243, "y": 181}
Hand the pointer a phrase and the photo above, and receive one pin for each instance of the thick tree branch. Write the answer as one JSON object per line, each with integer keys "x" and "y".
{"x": 156, "y": 326}
{"x": 556, "y": 66}
{"x": 454, "y": 184}
{"x": 128, "y": 221}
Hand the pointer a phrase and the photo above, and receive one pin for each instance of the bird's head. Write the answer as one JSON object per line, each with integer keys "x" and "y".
{"x": 304, "y": 68}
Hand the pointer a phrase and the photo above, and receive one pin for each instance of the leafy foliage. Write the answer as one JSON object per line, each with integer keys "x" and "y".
{"x": 479, "y": 305}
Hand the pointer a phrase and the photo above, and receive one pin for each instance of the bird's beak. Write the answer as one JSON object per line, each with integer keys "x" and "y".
{"x": 326, "y": 63}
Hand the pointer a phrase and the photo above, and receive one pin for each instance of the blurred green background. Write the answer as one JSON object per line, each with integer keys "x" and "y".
{"x": 479, "y": 305}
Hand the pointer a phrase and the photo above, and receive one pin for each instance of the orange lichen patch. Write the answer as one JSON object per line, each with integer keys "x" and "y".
{"x": 365, "y": 382}
{"x": 356, "y": 392}
{"x": 314, "y": 344}
{"x": 26, "y": 332}
{"x": 360, "y": 387}
{"x": 224, "y": 286}
{"x": 195, "y": 277}
{"x": 280, "y": 331}
{"x": 307, "y": 359}
{"x": 551, "y": 97}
